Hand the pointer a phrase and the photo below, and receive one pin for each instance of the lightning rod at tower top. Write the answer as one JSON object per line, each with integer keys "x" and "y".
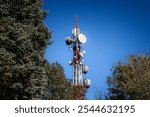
{"x": 76, "y": 42}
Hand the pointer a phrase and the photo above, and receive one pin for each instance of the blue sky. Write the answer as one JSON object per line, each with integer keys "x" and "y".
{"x": 114, "y": 29}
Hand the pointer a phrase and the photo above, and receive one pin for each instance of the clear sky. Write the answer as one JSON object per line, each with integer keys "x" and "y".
{"x": 114, "y": 29}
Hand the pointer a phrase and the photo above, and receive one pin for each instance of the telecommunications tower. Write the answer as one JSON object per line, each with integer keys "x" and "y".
{"x": 76, "y": 42}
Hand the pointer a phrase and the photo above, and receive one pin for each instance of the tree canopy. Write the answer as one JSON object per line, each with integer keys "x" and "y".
{"x": 23, "y": 40}
{"x": 130, "y": 80}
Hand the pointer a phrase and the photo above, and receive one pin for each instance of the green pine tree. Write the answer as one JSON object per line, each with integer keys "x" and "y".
{"x": 23, "y": 40}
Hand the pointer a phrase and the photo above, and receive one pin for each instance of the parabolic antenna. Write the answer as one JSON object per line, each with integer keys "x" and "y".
{"x": 82, "y": 38}
{"x": 87, "y": 83}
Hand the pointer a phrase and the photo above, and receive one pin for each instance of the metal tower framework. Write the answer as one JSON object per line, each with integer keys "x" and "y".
{"x": 76, "y": 42}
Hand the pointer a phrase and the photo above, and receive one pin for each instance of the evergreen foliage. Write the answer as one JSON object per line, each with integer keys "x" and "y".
{"x": 23, "y": 40}
{"x": 58, "y": 87}
{"x": 130, "y": 81}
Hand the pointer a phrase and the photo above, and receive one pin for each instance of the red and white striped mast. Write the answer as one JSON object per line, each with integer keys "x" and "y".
{"x": 76, "y": 41}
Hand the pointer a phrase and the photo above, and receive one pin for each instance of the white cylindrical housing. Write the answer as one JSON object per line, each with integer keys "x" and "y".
{"x": 85, "y": 69}
{"x": 74, "y": 32}
{"x": 87, "y": 83}
{"x": 70, "y": 62}
{"x": 68, "y": 40}
{"x": 81, "y": 54}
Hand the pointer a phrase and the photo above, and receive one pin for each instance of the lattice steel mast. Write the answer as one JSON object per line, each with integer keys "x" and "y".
{"x": 76, "y": 41}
